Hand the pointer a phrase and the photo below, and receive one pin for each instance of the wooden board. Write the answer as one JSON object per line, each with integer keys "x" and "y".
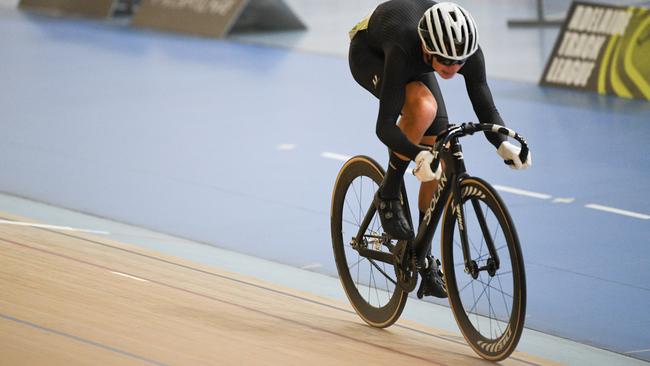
{"x": 70, "y": 298}
{"x": 88, "y": 8}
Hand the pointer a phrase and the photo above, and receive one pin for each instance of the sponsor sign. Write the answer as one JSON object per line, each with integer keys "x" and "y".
{"x": 215, "y": 18}
{"x": 89, "y": 8}
{"x": 603, "y": 48}
{"x": 267, "y": 15}
{"x": 204, "y": 17}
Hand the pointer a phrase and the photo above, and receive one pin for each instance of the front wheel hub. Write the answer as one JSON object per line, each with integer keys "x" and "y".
{"x": 472, "y": 269}
{"x": 491, "y": 267}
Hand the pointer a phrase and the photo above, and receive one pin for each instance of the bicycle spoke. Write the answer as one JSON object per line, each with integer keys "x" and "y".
{"x": 502, "y": 295}
{"x": 464, "y": 287}
{"x": 369, "y": 285}
{"x": 494, "y": 288}
{"x": 375, "y": 224}
{"x": 355, "y": 190}
{"x": 382, "y": 271}
{"x": 492, "y": 311}
{"x": 480, "y": 296}
{"x": 357, "y": 263}
{"x": 373, "y": 280}
{"x": 386, "y": 277}
{"x": 486, "y": 254}
{"x": 345, "y": 202}
{"x": 350, "y": 222}
{"x": 489, "y": 310}
{"x": 358, "y": 272}
{"x": 475, "y": 301}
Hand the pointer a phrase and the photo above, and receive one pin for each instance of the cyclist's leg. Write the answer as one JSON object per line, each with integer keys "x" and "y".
{"x": 439, "y": 124}
{"x": 367, "y": 68}
{"x": 420, "y": 108}
{"x": 417, "y": 113}
{"x": 366, "y": 65}
{"x": 432, "y": 283}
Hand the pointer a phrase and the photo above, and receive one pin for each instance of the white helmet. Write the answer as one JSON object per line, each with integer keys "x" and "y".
{"x": 445, "y": 24}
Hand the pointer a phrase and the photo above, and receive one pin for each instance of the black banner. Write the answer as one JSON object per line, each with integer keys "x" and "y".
{"x": 603, "y": 48}
{"x": 88, "y": 8}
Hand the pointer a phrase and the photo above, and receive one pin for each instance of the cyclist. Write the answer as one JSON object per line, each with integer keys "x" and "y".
{"x": 393, "y": 54}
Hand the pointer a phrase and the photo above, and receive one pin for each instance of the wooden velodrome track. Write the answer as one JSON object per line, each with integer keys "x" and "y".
{"x": 69, "y": 298}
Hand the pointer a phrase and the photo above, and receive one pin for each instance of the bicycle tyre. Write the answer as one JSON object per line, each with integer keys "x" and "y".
{"x": 507, "y": 328}
{"x": 380, "y": 315}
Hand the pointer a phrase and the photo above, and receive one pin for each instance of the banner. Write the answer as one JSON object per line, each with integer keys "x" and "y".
{"x": 203, "y": 17}
{"x": 603, "y": 48}
{"x": 88, "y": 8}
{"x": 215, "y": 18}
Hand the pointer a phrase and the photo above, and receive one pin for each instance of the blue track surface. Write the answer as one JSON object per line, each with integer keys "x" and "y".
{"x": 181, "y": 135}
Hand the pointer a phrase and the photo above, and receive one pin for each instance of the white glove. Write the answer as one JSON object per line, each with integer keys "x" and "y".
{"x": 423, "y": 167}
{"x": 508, "y": 151}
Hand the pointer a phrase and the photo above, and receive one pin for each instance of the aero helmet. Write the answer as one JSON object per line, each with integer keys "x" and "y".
{"x": 448, "y": 30}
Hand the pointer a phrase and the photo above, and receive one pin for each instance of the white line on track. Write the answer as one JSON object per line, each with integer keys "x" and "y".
{"x": 286, "y": 147}
{"x": 618, "y": 211}
{"x": 521, "y": 192}
{"x": 53, "y": 227}
{"x": 335, "y": 156}
{"x": 129, "y": 276}
{"x": 639, "y": 351}
{"x": 312, "y": 266}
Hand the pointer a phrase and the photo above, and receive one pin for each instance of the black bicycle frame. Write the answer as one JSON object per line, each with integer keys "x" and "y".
{"x": 450, "y": 152}
{"x": 449, "y": 184}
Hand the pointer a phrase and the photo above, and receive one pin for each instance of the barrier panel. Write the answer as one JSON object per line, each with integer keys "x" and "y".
{"x": 215, "y": 18}
{"x": 603, "y": 48}
{"x": 88, "y": 8}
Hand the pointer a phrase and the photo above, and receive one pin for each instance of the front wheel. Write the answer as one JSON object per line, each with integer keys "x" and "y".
{"x": 488, "y": 293}
{"x": 371, "y": 285}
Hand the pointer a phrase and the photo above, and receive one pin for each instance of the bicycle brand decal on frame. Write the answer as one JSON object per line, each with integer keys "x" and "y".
{"x": 434, "y": 200}
{"x": 459, "y": 218}
{"x": 375, "y": 80}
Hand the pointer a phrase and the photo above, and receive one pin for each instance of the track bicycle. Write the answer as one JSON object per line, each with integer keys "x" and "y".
{"x": 482, "y": 263}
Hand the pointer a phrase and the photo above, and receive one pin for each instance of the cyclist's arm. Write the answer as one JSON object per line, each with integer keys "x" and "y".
{"x": 391, "y": 103}
{"x": 480, "y": 95}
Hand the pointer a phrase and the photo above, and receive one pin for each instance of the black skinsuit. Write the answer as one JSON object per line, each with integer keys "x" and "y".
{"x": 388, "y": 55}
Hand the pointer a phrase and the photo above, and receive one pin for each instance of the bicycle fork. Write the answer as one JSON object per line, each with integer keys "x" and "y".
{"x": 458, "y": 174}
{"x": 471, "y": 266}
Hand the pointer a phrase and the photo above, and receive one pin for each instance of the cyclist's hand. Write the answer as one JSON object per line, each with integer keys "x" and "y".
{"x": 510, "y": 154}
{"x": 423, "y": 167}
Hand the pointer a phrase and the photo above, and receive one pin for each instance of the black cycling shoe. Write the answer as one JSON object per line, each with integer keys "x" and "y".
{"x": 393, "y": 219}
{"x": 432, "y": 283}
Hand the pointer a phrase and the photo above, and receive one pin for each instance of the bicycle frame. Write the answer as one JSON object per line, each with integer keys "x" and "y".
{"x": 450, "y": 151}
{"x": 449, "y": 183}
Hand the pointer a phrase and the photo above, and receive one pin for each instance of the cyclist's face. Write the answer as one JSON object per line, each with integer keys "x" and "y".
{"x": 445, "y": 71}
